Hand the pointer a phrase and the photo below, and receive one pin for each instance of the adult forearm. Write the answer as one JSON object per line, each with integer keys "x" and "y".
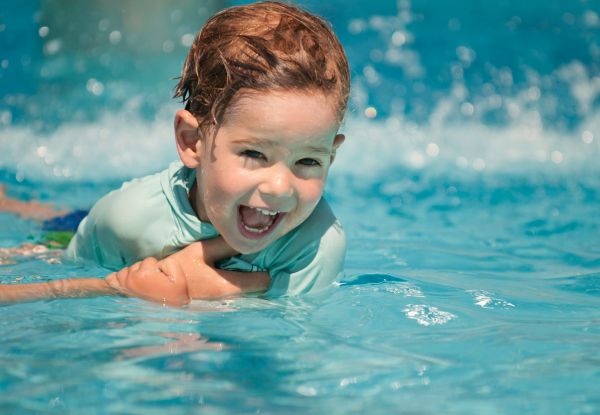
{"x": 67, "y": 288}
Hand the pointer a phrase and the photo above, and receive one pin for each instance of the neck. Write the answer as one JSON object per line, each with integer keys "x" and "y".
{"x": 197, "y": 205}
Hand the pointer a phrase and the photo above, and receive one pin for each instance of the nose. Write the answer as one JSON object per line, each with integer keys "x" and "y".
{"x": 277, "y": 188}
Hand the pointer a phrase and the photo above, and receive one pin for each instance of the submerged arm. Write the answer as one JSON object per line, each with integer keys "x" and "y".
{"x": 67, "y": 288}
{"x": 28, "y": 210}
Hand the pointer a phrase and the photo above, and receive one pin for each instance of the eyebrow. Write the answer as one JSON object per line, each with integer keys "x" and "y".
{"x": 325, "y": 151}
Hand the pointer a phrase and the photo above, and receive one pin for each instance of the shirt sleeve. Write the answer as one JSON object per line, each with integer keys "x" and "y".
{"x": 99, "y": 237}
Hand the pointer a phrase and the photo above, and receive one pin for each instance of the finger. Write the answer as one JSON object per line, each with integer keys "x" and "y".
{"x": 149, "y": 262}
{"x": 122, "y": 276}
{"x": 113, "y": 281}
{"x": 166, "y": 266}
{"x": 136, "y": 267}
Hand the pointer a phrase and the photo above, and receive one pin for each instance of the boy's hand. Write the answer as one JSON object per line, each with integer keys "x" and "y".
{"x": 160, "y": 281}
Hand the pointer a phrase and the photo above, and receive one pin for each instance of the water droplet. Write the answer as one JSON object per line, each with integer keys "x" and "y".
{"x": 591, "y": 19}
{"x": 114, "y": 37}
{"x": 479, "y": 164}
{"x": 398, "y": 38}
{"x": 466, "y": 108}
{"x": 168, "y": 46}
{"x": 307, "y": 390}
{"x": 176, "y": 15}
{"x": 356, "y": 26}
{"x": 94, "y": 86}
{"x": 533, "y": 93}
{"x": 432, "y": 150}
{"x": 53, "y": 46}
{"x": 103, "y": 25}
{"x": 569, "y": 18}
{"x": 587, "y": 137}
{"x": 462, "y": 162}
{"x": 187, "y": 39}
{"x": 370, "y": 112}
{"x": 466, "y": 55}
{"x": 556, "y": 157}
{"x": 5, "y": 117}
{"x": 416, "y": 159}
{"x": 371, "y": 75}
{"x": 454, "y": 25}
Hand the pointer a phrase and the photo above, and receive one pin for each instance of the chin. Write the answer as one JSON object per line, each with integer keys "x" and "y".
{"x": 245, "y": 247}
{"x": 246, "y": 250}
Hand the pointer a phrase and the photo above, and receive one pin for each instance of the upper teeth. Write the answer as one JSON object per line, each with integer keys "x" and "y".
{"x": 267, "y": 212}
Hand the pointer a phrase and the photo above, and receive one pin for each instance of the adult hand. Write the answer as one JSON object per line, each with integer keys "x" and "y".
{"x": 159, "y": 281}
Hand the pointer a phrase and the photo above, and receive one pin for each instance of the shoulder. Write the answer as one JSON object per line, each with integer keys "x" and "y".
{"x": 127, "y": 209}
{"x": 120, "y": 224}
{"x": 311, "y": 256}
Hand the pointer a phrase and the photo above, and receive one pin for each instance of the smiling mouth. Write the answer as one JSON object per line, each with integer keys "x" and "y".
{"x": 256, "y": 223}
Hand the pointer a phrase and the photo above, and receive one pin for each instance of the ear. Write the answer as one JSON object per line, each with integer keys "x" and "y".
{"x": 337, "y": 142}
{"x": 189, "y": 145}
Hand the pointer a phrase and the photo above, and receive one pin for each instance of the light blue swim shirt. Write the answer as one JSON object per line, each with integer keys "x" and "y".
{"x": 152, "y": 216}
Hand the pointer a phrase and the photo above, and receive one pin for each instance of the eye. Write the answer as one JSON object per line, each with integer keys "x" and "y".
{"x": 309, "y": 162}
{"x": 253, "y": 154}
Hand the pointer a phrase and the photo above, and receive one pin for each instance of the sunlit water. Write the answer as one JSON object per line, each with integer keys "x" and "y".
{"x": 469, "y": 188}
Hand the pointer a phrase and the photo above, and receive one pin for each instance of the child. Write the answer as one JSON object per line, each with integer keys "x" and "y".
{"x": 266, "y": 87}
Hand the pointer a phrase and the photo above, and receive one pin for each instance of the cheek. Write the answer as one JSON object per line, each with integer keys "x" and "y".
{"x": 224, "y": 187}
{"x": 311, "y": 192}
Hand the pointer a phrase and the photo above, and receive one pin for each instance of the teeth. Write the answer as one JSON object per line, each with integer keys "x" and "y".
{"x": 264, "y": 212}
{"x": 255, "y": 230}
{"x": 267, "y": 212}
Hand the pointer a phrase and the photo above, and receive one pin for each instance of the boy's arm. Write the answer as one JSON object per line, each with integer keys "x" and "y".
{"x": 188, "y": 274}
{"x": 204, "y": 280}
{"x": 67, "y": 288}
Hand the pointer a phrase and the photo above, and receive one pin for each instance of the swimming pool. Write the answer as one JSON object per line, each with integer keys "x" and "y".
{"x": 469, "y": 189}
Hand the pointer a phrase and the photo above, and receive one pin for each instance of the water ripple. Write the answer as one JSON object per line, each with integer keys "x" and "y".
{"x": 485, "y": 299}
{"x": 427, "y": 315}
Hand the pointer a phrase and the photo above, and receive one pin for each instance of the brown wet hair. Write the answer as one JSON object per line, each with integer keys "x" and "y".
{"x": 261, "y": 47}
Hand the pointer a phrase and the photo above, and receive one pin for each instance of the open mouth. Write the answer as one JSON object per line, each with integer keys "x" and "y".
{"x": 256, "y": 223}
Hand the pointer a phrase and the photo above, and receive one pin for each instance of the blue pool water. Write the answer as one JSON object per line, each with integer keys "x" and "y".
{"x": 469, "y": 188}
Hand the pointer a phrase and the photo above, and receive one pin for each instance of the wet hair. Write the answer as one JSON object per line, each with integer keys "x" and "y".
{"x": 261, "y": 47}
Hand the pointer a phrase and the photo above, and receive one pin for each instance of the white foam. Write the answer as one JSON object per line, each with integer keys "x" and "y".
{"x": 372, "y": 147}
{"x": 453, "y": 140}
{"x": 114, "y": 147}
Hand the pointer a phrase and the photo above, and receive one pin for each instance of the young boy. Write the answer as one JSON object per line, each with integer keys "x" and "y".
{"x": 266, "y": 86}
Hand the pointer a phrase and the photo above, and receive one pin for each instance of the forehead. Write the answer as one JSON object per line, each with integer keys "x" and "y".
{"x": 298, "y": 113}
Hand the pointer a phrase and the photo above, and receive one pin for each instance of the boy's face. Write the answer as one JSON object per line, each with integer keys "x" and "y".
{"x": 261, "y": 173}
